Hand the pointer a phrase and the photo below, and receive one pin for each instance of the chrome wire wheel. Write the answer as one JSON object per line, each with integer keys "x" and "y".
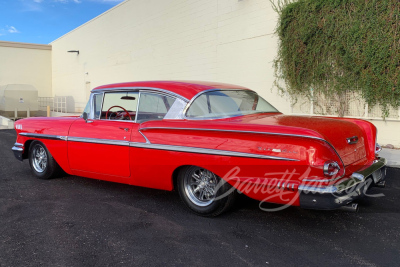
{"x": 39, "y": 160}
{"x": 201, "y": 187}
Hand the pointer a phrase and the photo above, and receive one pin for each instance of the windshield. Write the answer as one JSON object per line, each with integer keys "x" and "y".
{"x": 228, "y": 103}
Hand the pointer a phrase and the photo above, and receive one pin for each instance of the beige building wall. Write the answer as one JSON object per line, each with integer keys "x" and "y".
{"x": 213, "y": 40}
{"x": 23, "y": 63}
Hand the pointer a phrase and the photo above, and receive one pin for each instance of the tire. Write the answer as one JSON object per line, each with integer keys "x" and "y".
{"x": 205, "y": 193}
{"x": 42, "y": 163}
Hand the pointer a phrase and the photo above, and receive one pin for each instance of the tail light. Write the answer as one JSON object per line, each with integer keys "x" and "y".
{"x": 378, "y": 148}
{"x": 331, "y": 168}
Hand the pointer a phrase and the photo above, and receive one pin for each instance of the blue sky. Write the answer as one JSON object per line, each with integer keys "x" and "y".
{"x": 43, "y": 21}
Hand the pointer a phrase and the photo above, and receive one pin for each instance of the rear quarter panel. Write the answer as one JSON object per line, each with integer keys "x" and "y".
{"x": 305, "y": 157}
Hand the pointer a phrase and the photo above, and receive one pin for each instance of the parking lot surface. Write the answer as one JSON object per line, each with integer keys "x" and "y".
{"x": 75, "y": 221}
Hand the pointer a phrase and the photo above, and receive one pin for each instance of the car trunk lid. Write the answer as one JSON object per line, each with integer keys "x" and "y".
{"x": 337, "y": 132}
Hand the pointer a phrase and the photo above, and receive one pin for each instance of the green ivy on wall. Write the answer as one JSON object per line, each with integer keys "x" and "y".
{"x": 336, "y": 46}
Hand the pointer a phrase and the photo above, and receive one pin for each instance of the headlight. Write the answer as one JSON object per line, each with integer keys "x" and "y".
{"x": 331, "y": 168}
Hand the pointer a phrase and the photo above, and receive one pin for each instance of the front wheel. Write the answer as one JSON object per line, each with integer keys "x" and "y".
{"x": 205, "y": 193}
{"x": 42, "y": 162}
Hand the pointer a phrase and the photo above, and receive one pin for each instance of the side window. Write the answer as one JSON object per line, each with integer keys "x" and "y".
{"x": 88, "y": 107}
{"x": 97, "y": 101}
{"x": 154, "y": 106}
{"x": 119, "y": 106}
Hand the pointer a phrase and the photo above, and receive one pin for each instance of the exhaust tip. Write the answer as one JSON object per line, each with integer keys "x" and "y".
{"x": 353, "y": 207}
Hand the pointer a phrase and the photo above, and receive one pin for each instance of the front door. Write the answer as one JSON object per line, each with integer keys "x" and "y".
{"x": 101, "y": 144}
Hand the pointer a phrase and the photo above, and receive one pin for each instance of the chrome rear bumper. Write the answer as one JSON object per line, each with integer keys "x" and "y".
{"x": 337, "y": 195}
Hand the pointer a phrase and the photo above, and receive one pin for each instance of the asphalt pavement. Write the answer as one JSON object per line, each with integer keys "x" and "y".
{"x": 75, "y": 221}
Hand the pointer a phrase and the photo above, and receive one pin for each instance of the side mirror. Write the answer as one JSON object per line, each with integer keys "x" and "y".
{"x": 85, "y": 116}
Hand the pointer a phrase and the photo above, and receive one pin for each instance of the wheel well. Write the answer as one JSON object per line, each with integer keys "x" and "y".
{"x": 27, "y": 147}
{"x": 175, "y": 175}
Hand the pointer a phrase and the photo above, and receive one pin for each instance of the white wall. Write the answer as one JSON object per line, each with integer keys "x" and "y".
{"x": 213, "y": 40}
{"x": 26, "y": 64}
{"x": 216, "y": 40}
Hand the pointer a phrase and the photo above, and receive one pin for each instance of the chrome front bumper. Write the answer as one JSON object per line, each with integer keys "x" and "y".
{"x": 337, "y": 195}
{"x": 18, "y": 150}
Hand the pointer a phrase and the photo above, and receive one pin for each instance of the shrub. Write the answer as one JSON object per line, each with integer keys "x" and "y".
{"x": 331, "y": 47}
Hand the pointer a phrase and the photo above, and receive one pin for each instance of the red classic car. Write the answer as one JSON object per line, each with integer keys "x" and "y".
{"x": 209, "y": 141}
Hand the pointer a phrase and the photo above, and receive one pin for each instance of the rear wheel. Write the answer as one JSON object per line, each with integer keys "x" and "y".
{"x": 205, "y": 193}
{"x": 42, "y": 162}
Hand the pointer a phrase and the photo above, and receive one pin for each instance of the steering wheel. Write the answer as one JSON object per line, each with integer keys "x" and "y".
{"x": 122, "y": 109}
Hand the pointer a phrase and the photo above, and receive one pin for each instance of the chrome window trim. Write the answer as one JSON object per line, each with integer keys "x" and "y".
{"x": 91, "y": 112}
{"x": 221, "y": 117}
{"x": 208, "y": 151}
{"x": 137, "y": 107}
{"x": 160, "y": 94}
{"x": 101, "y": 106}
{"x": 146, "y": 89}
{"x": 139, "y": 90}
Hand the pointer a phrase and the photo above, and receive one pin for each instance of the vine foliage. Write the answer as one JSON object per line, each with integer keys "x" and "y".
{"x": 331, "y": 47}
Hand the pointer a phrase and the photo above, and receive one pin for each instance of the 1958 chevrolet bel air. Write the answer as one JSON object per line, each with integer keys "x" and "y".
{"x": 209, "y": 141}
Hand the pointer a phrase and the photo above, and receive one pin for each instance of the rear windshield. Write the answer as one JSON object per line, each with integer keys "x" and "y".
{"x": 228, "y": 103}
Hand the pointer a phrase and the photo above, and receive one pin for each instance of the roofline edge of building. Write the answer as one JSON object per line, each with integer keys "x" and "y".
{"x": 25, "y": 45}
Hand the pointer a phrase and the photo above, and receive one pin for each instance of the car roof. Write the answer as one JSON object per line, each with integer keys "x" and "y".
{"x": 187, "y": 89}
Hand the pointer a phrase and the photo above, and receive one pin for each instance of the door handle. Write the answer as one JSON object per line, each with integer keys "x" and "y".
{"x": 89, "y": 121}
{"x": 125, "y": 129}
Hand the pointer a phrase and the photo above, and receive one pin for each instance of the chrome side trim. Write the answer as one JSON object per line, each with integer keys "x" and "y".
{"x": 158, "y": 146}
{"x": 98, "y": 141}
{"x": 199, "y": 150}
{"x": 232, "y": 131}
{"x": 147, "y": 140}
{"x": 45, "y": 136}
{"x": 252, "y": 132}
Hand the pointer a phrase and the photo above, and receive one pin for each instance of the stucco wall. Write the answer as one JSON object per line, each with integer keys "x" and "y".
{"x": 213, "y": 40}
{"x": 216, "y": 40}
{"x": 26, "y": 64}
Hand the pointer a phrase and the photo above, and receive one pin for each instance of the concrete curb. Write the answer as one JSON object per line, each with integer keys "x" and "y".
{"x": 392, "y": 156}
{"x": 6, "y": 123}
